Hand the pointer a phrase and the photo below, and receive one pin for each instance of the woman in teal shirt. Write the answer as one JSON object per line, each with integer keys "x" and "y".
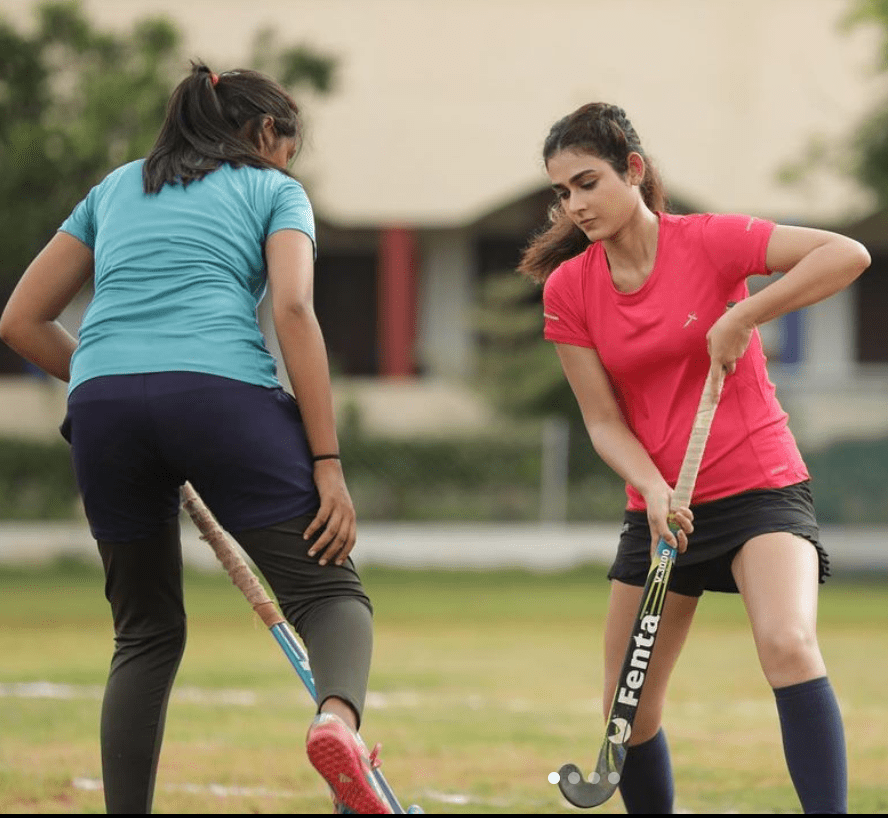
{"x": 170, "y": 380}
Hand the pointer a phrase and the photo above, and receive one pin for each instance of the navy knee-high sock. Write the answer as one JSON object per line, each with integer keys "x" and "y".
{"x": 814, "y": 744}
{"x": 646, "y": 783}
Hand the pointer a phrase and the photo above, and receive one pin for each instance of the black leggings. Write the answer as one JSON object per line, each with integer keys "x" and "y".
{"x": 326, "y": 605}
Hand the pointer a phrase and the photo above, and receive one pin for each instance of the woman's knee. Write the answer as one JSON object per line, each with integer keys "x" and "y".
{"x": 788, "y": 653}
{"x": 161, "y": 638}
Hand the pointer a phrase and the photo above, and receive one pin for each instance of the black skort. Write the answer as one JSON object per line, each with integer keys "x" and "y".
{"x": 721, "y": 528}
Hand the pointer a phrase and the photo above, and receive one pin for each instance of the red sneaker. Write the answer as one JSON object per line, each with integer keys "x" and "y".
{"x": 341, "y": 757}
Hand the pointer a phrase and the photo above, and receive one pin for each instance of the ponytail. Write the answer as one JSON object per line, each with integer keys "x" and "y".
{"x": 214, "y": 119}
{"x": 604, "y": 131}
{"x": 552, "y": 246}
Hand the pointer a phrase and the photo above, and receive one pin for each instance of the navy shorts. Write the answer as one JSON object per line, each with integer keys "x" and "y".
{"x": 721, "y": 528}
{"x": 136, "y": 438}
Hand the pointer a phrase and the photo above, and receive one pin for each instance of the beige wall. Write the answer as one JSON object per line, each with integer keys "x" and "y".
{"x": 443, "y": 104}
{"x": 31, "y": 408}
{"x": 820, "y": 414}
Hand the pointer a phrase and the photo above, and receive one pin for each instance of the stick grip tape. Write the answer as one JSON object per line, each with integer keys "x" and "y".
{"x": 690, "y": 466}
{"x": 227, "y": 553}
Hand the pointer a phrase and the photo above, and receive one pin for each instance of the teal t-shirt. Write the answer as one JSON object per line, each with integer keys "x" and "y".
{"x": 179, "y": 274}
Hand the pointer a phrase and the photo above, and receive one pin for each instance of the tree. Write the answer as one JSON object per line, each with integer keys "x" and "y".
{"x": 75, "y": 102}
{"x": 863, "y": 155}
{"x": 294, "y": 65}
{"x": 870, "y": 143}
{"x": 517, "y": 368}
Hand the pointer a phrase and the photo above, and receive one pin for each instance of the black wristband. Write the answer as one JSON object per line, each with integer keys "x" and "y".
{"x": 324, "y": 457}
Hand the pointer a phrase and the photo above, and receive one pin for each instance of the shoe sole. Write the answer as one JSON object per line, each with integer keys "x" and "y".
{"x": 338, "y": 760}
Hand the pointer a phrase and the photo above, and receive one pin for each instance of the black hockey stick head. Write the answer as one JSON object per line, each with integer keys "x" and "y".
{"x": 602, "y": 783}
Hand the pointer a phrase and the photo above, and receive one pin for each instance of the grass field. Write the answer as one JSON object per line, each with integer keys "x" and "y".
{"x": 483, "y": 683}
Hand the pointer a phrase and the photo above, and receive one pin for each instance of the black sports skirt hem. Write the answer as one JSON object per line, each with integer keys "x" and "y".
{"x": 721, "y": 528}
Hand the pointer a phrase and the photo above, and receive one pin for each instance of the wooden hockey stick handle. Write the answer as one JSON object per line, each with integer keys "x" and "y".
{"x": 690, "y": 466}
{"x": 227, "y": 553}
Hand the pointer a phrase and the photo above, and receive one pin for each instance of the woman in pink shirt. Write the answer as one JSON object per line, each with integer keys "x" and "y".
{"x": 637, "y": 303}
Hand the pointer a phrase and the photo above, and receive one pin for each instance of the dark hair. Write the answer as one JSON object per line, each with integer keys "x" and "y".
{"x": 217, "y": 119}
{"x": 604, "y": 131}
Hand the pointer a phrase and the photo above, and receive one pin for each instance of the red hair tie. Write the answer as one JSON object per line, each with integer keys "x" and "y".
{"x": 214, "y": 79}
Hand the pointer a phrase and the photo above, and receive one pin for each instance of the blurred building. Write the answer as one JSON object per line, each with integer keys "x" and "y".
{"x": 425, "y": 172}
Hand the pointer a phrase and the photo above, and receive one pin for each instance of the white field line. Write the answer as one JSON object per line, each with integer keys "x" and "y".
{"x": 229, "y": 791}
{"x": 49, "y": 690}
{"x": 403, "y": 699}
{"x": 398, "y": 700}
{"x": 216, "y": 790}
{"x": 190, "y": 695}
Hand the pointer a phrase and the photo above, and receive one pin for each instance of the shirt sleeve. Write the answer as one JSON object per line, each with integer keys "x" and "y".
{"x": 292, "y": 211}
{"x": 737, "y": 245}
{"x": 82, "y": 222}
{"x": 563, "y": 308}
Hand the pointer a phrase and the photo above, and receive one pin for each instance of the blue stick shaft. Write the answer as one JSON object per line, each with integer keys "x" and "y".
{"x": 293, "y": 651}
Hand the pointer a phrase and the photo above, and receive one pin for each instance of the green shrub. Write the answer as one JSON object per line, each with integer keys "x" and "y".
{"x": 36, "y": 480}
{"x": 849, "y": 480}
{"x": 493, "y": 478}
{"x": 473, "y": 478}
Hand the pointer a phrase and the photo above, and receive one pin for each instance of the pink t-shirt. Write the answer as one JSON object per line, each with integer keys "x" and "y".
{"x": 652, "y": 344}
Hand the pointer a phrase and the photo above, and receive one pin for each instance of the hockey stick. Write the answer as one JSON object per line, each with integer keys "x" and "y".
{"x": 244, "y": 578}
{"x": 604, "y": 780}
